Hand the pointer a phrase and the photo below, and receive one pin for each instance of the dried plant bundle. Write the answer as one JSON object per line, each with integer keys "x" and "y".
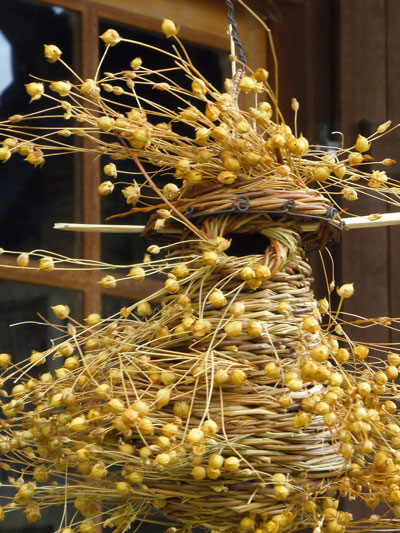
{"x": 238, "y": 403}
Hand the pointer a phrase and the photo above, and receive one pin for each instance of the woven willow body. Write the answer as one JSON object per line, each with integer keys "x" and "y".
{"x": 252, "y": 423}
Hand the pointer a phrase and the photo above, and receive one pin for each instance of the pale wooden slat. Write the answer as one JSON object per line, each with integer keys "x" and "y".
{"x": 98, "y": 228}
{"x": 371, "y": 221}
{"x": 384, "y": 220}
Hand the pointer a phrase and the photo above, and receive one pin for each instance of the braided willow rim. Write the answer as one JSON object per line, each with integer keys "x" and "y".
{"x": 251, "y": 211}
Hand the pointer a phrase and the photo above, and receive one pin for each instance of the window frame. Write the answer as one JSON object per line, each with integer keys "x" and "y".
{"x": 194, "y": 27}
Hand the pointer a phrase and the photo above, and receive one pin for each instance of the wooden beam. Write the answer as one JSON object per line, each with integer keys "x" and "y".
{"x": 135, "y": 291}
{"x": 76, "y": 5}
{"x": 62, "y": 279}
{"x": 90, "y": 167}
{"x": 302, "y": 33}
{"x": 392, "y": 144}
{"x": 76, "y": 279}
{"x": 303, "y": 39}
{"x": 137, "y": 15}
{"x": 362, "y": 94}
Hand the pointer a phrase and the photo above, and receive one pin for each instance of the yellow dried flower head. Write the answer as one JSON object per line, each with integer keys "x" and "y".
{"x": 62, "y": 88}
{"x": 349, "y": 193}
{"x": 5, "y": 154}
{"x": 362, "y": 144}
{"x": 35, "y": 90}
{"x": 35, "y": 158}
{"x": 90, "y": 89}
{"x": 105, "y": 123}
{"x": 131, "y": 193}
{"x": 52, "y": 53}
{"x": 247, "y": 84}
{"x": 169, "y": 29}
{"x": 136, "y": 63}
{"x": 93, "y": 319}
{"x": 105, "y": 188}
{"x": 346, "y": 290}
{"x": 170, "y": 191}
{"x": 14, "y": 119}
{"x": 61, "y": 311}
{"x": 108, "y": 282}
{"x": 5, "y": 360}
{"x": 378, "y": 179}
{"x": 46, "y": 264}
{"x": 110, "y": 170}
{"x": 110, "y": 37}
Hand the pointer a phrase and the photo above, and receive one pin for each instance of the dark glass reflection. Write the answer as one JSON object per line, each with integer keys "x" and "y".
{"x": 211, "y": 62}
{"x": 32, "y": 199}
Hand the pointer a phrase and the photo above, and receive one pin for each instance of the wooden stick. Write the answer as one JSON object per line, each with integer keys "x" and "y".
{"x": 372, "y": 221}
{"x": 232, "y": 59}
{"x": 104, "y": 228}
{"x": 101, "y": 228}
{"x": 369, "y": 221}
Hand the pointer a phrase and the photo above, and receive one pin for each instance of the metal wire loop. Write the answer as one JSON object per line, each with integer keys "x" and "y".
{"x": 332, "y": 212}
{"x": 289, "y": 204}
{"x": 242, "y": 204}
{"x": 189, "y": 211}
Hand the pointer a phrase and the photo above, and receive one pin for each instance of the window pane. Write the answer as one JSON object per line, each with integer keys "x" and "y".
{"x": 110, "y": 305}
{"x": 32, "y": 199}
{"x": 211, "y": 62}
{"x": 22, "y": 302}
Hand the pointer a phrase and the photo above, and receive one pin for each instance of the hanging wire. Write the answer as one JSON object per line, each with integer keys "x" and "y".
{"x": 236, "y": 40}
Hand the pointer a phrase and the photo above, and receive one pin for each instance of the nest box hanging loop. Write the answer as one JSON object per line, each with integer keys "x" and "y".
{"x": 235, "y": 38}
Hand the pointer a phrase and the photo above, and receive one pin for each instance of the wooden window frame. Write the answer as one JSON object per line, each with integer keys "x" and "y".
{"x": 194, "y": 20}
